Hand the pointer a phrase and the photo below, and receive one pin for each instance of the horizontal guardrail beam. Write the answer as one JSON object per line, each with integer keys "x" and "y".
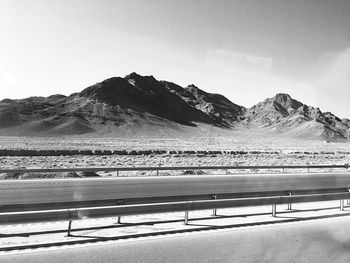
{"x": 169, "y": 168}
{"x": 127, "y": 210}
{"x": 132, "y": 201}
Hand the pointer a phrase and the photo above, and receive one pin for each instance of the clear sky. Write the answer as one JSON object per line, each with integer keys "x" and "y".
{"x": 247, "y": 50}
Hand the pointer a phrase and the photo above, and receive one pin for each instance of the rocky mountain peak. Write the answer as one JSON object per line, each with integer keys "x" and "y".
{"x": 132, "y": 75}
{"x": 284, "y": 114}
{"x": 138, "y": 78}
{"x": 195, "y": 90}
{"x": 282, "y": 97}
{"x": 286, "y": 102}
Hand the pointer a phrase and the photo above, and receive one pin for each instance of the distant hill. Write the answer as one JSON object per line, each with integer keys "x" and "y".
{"x": 141, "y": 105}
{"x": 286, "y": 115}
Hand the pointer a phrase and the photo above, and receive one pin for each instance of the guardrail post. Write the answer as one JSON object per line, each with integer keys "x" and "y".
{"x": 69, "y": 228}
{"x": 341, "y": 205}
{"x": 119, "y": 218}
{"x": 186, "y": 218}
{"x": 117, "y": 173}
{"x": 289, "y": 205}
{"x": 214, "y": 210}
{"x": 274, "y": 210}
{"x": 159, "y": 165}
{"x": 69, "y": 223}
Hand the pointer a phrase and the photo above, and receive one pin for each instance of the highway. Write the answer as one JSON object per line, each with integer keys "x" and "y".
{"x": 323, "y": 241}
{"x": 69, "y": 190}
{"x": 261, "y": 244}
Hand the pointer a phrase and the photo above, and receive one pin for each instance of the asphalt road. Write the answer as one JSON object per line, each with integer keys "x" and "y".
{"x": 323, "y": 241}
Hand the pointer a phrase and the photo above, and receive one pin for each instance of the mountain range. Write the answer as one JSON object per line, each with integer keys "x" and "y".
{"x": 142, "y": 105}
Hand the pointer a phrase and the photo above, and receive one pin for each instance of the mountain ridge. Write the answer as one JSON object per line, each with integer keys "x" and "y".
{"x": 137, "y": 105}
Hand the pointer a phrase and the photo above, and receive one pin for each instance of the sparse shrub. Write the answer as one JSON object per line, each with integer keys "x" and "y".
{"x": 9, "y": 176}
{"x": 85, "y": 152}
{"x": 189, "y": 152}
{"x": 122, "y": 152}
{"x": 193, "y": 172}
{"x": 88, "y": 174}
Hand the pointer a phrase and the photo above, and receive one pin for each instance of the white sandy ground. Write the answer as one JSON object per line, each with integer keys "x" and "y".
{"x": 167, "y": 160}
{"x": 164, "y": 224}
{"x": 320, "y": 241}
{"x": 246, "y": 141}
{"x": 170, "y": 160}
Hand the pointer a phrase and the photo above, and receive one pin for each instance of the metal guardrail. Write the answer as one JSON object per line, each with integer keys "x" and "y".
{"x": 171, "y": 168}
{"x": 127, "y": 210}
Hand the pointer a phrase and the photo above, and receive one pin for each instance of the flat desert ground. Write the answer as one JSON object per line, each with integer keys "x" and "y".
{"x": 190, "y": 151}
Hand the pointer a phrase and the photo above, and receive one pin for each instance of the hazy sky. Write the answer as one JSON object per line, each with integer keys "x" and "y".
{"x": 245, "y": 50}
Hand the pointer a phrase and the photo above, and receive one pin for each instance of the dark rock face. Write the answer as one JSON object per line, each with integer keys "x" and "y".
{"x": 143, "y": 105}
{"x": 145, "y": 95}
{"x": 218, "y": 107}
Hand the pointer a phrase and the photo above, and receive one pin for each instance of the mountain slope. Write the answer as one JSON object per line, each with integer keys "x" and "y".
{"x": 214, "y": 105}
{"x": 286, "y": 115}
{"x": 17, "y": 112}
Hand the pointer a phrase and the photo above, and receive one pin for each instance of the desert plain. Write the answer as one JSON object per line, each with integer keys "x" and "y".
{"x": 212, "y": 150}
